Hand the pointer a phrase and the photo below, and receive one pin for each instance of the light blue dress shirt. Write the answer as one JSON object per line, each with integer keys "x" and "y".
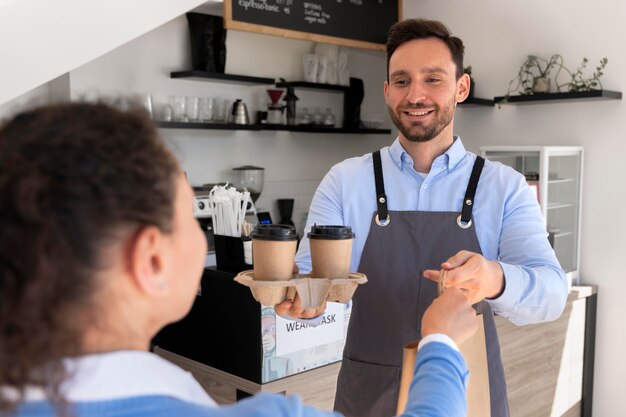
{"x": 506, "y": 215}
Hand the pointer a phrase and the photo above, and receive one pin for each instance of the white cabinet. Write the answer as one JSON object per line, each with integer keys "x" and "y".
{"x": 555, "y": 172}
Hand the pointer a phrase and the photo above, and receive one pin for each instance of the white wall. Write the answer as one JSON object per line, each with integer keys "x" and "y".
{"x": 294, "y": 162}
{"x": 41, "y": 40}
{"x": 498, "y": 36}
{"x": 35, "y": 97}
{"x": 53, "y": 91}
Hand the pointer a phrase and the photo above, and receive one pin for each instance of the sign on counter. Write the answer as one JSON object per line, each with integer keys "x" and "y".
{"x": 292, "y": 336}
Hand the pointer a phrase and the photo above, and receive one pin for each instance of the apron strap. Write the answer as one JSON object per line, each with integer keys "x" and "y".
{"x": 465, "y": 219}
{"x": 382, "y": 216}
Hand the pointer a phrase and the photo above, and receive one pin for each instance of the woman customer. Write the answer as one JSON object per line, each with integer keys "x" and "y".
{"x": 99, "y": 249}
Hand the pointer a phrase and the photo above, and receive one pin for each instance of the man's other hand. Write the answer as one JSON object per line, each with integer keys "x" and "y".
{"x": 472, "y": 273}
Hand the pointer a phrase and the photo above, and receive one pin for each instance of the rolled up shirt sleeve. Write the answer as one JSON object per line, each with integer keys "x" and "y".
{"x": 535, "y": 285}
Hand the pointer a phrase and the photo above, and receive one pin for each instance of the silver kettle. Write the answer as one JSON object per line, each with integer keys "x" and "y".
{"x": 239, "y": 113}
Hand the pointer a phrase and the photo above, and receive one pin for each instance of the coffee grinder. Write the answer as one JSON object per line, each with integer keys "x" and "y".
{"x": 251, "y": 179}
{"x": 290, "y": 99}
{"x": 275, "y": 109}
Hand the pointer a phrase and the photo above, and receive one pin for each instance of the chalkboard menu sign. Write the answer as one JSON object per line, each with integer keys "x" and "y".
{"x": 356, "y": 23}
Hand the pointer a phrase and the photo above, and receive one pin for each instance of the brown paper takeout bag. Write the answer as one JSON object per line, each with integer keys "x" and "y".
{"x": 474, "y": 350}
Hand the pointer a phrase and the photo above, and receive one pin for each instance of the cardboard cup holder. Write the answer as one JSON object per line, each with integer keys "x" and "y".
{"x": 312, "y": 291}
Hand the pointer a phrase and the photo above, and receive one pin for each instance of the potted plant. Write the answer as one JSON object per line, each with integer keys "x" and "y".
{"x": 578, "y": 83}
{"x": 533, "y": 75}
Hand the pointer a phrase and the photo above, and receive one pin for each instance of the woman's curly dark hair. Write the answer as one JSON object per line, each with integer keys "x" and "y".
{"x": 72, "y": 178}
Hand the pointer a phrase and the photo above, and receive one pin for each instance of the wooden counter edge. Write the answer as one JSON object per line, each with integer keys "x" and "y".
{"x": 584, "y": 291}
{"x": 313, "y": 385}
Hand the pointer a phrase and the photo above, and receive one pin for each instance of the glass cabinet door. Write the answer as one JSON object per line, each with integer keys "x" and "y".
{"x": 555, "y": 174}
{"x": 562, "y": 210}
{"x": 526, "y": 163}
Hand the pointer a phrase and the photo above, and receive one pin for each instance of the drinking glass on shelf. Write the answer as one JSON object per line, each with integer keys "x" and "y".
{"x": 205, "y": 109}
{"x": 191, "y": 105}
{"x": 178, "y": 108}
{"x": 217, "y": 111}
{"x": 305, "y": 117}
{"x": 329, "y": 118}
{"x": 222, "y": 110}
{"x": 167, "y": 113}
{"x": 318, "y": 117}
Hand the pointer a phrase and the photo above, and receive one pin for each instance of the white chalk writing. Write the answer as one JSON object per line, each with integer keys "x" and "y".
{"x": 259, "y": 5}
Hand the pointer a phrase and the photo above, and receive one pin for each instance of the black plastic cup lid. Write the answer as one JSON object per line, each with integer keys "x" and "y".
{"x": 274, "y": 232}
{"x": 331, "y": 232}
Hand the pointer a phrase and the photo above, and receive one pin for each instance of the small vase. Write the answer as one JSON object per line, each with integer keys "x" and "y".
{"x": 541, "y": 85}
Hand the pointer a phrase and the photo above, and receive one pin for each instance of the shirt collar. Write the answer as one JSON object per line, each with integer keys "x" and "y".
{"x": 125, "y": 374}
{"x": 450, "y": 158}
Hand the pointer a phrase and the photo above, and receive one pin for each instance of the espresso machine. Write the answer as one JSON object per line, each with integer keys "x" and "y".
{"x": 203, "y": 215}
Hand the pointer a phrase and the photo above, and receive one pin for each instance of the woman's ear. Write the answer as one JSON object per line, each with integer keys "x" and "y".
{"x": 148, "y": 260}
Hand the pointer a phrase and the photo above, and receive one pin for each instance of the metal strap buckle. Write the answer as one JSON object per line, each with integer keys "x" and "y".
{"x": 384, "y": 222}
{"x": 463, "y": 225}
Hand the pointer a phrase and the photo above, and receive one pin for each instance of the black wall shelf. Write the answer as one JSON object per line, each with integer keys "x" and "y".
{"x": 257, "y": 127}
{"x": 477, "y": 102}
{"x": 324, "y": 129}
{"x": 202, "y": 125}
{"x": 204, "y": 76}
{"x": 313, "y": 86}
{"x": 572, "y": 95}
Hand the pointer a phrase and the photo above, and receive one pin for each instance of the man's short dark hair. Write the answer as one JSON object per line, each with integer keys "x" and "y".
{"x": 410, "y": 29}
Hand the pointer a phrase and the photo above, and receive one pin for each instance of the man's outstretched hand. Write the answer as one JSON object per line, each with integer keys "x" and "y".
{"x": 293, "y": 308}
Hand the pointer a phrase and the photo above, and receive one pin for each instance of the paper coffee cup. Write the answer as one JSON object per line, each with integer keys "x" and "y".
{"x": 273, "y": 251}
{"x": 331, "y": 251}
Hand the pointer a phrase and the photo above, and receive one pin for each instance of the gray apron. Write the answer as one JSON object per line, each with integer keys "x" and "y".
{"x": 387, "y": 311}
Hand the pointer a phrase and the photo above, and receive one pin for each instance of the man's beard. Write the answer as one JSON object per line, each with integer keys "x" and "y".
{"x": 425, "y": 133}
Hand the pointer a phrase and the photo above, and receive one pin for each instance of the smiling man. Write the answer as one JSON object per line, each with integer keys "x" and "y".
{"x": 421, "y": 205}
{"x": 421, "y": 92}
